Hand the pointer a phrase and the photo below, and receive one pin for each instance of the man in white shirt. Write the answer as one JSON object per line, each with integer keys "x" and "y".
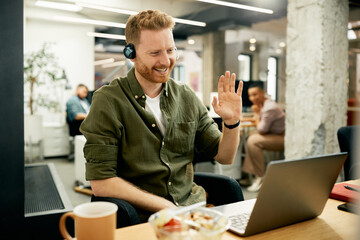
{"x": 270, "y": 123}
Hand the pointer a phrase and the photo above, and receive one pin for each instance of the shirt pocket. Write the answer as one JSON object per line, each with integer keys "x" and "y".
{"x": 183, "y": 137}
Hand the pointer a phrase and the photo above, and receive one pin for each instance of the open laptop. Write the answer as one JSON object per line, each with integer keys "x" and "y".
{"x": 292, "y": 191}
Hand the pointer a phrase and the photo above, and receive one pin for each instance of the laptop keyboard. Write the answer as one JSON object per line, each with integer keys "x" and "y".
{"x": 239, "y": 221}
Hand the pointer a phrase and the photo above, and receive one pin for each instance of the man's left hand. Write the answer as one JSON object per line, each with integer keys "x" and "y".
{"x": 229, "y": 104}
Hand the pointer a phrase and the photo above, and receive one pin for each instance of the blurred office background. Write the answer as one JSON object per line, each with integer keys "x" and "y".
{"x": 306, "y": 53}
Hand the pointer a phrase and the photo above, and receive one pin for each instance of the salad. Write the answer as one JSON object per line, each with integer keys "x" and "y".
{"x": 200, "y": 223}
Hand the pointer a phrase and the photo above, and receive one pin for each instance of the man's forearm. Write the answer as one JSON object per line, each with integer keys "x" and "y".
{"x": 228, "y": 145}
{"x": 80, "y": 116}
{"x": 119, "y": 188}
{"x": 256, "y": 119}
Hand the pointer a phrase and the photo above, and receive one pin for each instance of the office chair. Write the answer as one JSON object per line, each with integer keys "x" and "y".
{"x": 219, "y": 188}
{"x": 74, "y": 129}
{"x": 347, "y": 143}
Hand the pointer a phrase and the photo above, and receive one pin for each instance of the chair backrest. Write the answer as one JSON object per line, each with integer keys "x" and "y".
{"x": 201, "y": 157}
{"x": 74, "y": 127}
{"x": 347, "y": 143}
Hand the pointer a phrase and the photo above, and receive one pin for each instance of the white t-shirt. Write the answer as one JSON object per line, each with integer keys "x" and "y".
{"x": 85, "y": 106}
{"x": 152, "y": 105}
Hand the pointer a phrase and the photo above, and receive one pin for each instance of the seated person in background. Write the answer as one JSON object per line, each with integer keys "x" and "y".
{"x": 143, "y": 128}
{"x": 77, "y": 108}
{"x": 270, "y": 123}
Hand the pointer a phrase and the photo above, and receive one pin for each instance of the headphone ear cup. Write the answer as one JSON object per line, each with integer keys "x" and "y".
{"x": 129, "y": 51}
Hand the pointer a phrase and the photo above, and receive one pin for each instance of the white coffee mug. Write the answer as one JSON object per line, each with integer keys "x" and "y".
{"x": 93, "y": 221}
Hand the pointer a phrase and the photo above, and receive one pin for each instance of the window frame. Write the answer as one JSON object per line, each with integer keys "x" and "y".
{"x": 276, "y": 77}
{"x": 250, "y": 66}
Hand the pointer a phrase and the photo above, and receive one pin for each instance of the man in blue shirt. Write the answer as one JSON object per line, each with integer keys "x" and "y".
{"x": 77, "y": 108}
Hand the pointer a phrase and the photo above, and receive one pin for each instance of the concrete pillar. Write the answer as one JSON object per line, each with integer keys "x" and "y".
{"x": 213, "y": 62}
{"x": 316, "y": 90}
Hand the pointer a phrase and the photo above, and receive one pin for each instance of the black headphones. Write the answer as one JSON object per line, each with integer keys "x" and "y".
{"x": 129, "y": 51}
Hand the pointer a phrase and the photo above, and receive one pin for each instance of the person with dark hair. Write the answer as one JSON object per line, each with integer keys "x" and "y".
{"x": 143, "y": 128}
{"x": 270, "y": 123}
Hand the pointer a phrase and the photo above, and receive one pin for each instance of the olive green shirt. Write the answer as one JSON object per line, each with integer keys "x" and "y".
{"x": 123, "y": 139}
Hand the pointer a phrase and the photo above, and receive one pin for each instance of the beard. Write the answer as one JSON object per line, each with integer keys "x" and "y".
{"x": 151, "y": 74}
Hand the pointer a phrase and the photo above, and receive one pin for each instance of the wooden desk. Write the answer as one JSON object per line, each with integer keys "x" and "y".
{"x": 331, "y": 224}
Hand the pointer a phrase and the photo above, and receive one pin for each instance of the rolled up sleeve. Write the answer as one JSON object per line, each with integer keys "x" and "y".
{"x": 102, "y": 131}
{"x": 101, "y": 161}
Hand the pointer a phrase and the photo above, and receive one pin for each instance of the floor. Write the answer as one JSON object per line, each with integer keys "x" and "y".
{"x": 66, "y": 172}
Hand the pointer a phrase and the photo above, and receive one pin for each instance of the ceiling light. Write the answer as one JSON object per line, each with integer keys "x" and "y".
{"x": 236, "y": 5}
{"x": 191, "y": 41}
{"x": 104, "y": 61}
{"x": 60, "y": 6}
{"x": 106, "y": 35}
{"x": 107, "y": 9}
{"x": 190, "y": 22}
{"x": 114, "y": 64}
{"x": 282, "y": 44}
{"x": 252, "y": 40}
{"x": 89, "y": 21}
{"x": 128, "y": 12}
{"x": 252, "y": 47}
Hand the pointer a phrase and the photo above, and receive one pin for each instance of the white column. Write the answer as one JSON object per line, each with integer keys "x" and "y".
{"x": 316, "y": 90}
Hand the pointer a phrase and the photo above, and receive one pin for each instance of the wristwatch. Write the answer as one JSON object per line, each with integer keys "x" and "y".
{"x": 232, "y": 126}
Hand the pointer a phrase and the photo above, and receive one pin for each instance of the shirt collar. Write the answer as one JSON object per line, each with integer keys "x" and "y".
{"x": 137, "y": 91}
{"x": 165, "y": 89}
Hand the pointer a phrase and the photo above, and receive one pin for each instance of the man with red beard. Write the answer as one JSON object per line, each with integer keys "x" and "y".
{"x": 143, "y": 128}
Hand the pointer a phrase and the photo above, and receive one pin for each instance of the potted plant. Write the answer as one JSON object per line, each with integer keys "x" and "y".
{"x": 41, "y": 69}
{"x": 41, "y": 73}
